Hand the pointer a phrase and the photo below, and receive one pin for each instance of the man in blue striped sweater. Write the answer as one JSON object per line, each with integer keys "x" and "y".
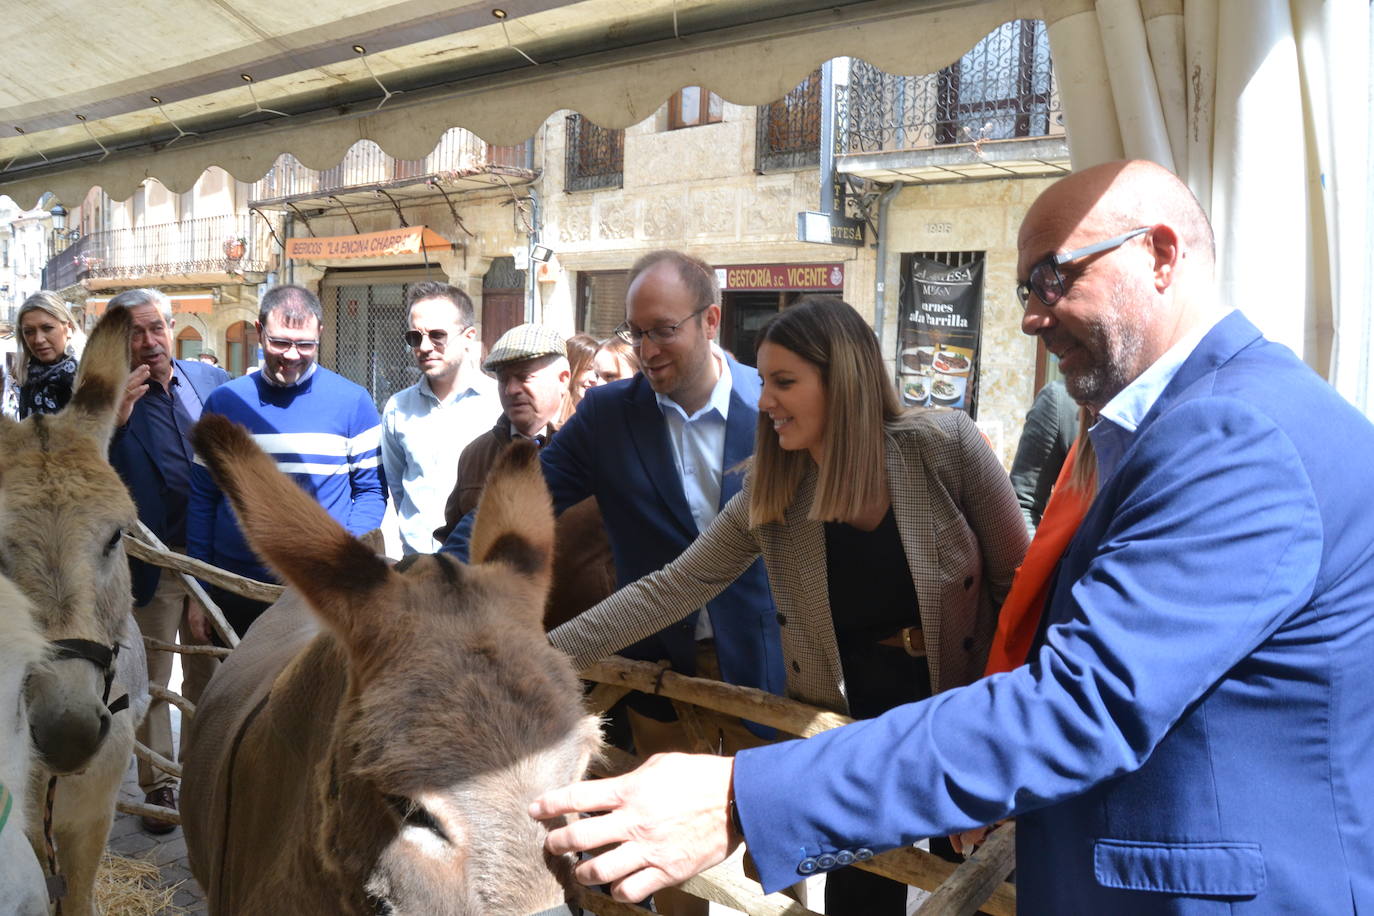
{"x": 322, "y": 429}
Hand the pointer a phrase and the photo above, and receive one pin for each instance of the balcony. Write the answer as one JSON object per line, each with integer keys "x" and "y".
{"x": 366, "y": 175}
{"x": 595, "y": 156}
{"x": 994, "y": 113}
{"x": 190, "y": 251}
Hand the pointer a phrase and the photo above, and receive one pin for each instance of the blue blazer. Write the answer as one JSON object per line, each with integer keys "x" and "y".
{"x": 1195, "y": 734}
{"x": 616, "y": 448}
{"x": 131, "y": 453}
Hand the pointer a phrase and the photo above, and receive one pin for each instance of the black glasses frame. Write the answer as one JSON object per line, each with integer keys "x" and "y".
{"x": 1048, "y": 284}
{"x": 659, "y": 335}
{"x": 437, "y": 337}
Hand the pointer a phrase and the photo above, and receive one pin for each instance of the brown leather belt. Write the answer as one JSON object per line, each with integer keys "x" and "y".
{"x": 912, "y": 639}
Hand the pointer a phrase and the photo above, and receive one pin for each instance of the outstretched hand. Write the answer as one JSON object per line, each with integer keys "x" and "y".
{"x": 664, "y": 823}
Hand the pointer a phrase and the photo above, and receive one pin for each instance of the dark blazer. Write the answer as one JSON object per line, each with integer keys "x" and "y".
{"x": 131, "y": 454}
{"x": 1193, "y": 734}
{"x": 616, "y": 448}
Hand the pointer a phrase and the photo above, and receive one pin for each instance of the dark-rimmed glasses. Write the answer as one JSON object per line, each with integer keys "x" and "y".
{"x": 282, "y": 345}
{"x": 437, "y": 337}
{"x": 1048, "y": 284}
{"x": 661, "y": 335}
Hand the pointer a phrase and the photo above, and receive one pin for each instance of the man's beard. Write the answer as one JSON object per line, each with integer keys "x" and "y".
{"x": 1115, "y": 344}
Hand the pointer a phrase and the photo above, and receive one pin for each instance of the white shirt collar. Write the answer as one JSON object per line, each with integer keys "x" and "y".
{"x": 720, "y": 394}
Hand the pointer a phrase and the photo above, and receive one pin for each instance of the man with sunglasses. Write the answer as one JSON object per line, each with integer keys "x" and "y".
{"x": 1191, "y": 731}
{"x": 322, "y": 430}
{"x": 426, "y": 425}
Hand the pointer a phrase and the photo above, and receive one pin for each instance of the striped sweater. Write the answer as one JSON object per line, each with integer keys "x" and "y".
{"x": 324, "y": 432}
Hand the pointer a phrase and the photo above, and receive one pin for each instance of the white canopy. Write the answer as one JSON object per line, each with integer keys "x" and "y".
{"x": 1262, "y": 106}
{"x": 612, "y": 60}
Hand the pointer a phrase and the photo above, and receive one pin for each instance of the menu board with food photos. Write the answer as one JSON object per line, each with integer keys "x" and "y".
{"x": 939, "y": 330}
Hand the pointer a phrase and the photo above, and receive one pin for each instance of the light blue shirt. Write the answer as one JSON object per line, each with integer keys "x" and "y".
{"x": 699, "y": 452}
{"x": 422, "y": 438}
{"x": 1121, "y": 417}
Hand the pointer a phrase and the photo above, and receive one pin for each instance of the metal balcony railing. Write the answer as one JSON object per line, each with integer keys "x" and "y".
{"x": 459, "y": 152}
{"x": 595, "y": 156}
{"x": 212, "y": 245}
{"x": 1002, "y": 89}
{"x": 788, "y": 132}
{"x": 67, "y": 267}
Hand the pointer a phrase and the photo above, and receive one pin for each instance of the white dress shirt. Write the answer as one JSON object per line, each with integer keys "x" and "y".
{"x": 699, "y": 452}
{"x": 422, "y": 438}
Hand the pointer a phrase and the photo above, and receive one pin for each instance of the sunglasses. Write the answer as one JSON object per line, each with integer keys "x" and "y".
{"x": 437, "y": 338}
{"x": 1045, "y": 281}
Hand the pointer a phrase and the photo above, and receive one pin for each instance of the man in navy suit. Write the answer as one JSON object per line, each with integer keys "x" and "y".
{"x": 153, "y": 454}
{"x": 1194, "y": 729}
{"x": 660, "y": 452}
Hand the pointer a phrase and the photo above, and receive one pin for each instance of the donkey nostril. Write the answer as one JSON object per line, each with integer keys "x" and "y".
{"x": 104, "y": 725}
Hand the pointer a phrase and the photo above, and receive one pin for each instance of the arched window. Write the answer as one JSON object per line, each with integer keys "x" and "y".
{"x": 241, "y": 340}
{"x": 189, "y": 343}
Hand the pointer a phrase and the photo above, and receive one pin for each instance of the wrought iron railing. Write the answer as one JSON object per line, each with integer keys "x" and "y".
{"x": 1002, "y": 89}
{"x": 459, "y": 152}
{"x": 788, "y": 132}
{"x": 212, "y": 245}
{"x": 595, "y": 156}
{"x": 67, "y": 267}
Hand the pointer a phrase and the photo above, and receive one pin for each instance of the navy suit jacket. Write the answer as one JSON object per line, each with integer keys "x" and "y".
{"x": 616, "y": 448}
{"x": 131, "y": 453}
{"x": 1196, "y": 733}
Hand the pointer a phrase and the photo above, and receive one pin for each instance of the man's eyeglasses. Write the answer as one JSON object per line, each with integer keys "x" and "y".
{"x": 437, "y": 337}
{"x": 661, "y": 335}
{"x": 281, "y": 345}
{"x": 1048, "y": 284}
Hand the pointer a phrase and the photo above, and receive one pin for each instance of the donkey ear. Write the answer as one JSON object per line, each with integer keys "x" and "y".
{"x": 288, "y": 529}
{"x": 102, "y": 375}
{"x": 514, "y": 522}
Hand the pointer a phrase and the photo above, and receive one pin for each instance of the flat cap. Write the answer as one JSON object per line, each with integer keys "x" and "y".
{"x": 526, "y": 341}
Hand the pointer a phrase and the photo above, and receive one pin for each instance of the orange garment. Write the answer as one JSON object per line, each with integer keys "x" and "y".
{"x": 1021, "y": 610}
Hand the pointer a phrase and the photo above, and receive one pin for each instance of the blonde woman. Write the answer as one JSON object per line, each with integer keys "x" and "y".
{"x": 46, "y": 366}
{"x": 890, "y": 539}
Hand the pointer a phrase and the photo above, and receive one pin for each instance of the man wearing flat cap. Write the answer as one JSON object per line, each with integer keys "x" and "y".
{"x": 531, "y": 366}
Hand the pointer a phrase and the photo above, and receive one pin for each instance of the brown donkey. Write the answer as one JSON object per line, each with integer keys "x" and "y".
{"x": 384, "y": 763}
{"x": 63, "y": 511}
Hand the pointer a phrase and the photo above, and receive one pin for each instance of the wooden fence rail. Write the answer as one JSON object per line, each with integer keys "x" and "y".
{"x": 976, "y": 885}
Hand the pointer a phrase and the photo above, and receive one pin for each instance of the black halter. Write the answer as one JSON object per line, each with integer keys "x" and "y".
{"x": 102, "y": 656}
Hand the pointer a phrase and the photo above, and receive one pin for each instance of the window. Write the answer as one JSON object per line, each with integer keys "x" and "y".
{"x": 601, "y": 301}
{"x": 789, "y": 130}
{"x": 693, "y": 105}
{"x": 595, "y": 156}
{"x": 1000, "y": 89}
{"x": 189, "y": 343}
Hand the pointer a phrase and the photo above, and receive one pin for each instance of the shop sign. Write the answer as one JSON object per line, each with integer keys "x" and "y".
{"x": 939, "y": 333}
{"x": 782, "y": 276}
{"x": 829, "y": 229}
{"x": 388, "y": 243}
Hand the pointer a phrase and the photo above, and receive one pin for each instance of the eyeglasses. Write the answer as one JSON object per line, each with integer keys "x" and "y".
{"x": 1049, "y": 285}
{"x": 661, "y": 335}
{"x": 437, "y": 338}
{"x": 282, "y": 345}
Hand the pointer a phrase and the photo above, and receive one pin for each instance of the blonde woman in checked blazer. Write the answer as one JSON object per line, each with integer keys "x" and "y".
{"x": 890, "y": 540}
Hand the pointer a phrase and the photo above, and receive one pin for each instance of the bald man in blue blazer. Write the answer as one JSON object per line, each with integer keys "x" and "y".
{"x": 1193, "y": 732}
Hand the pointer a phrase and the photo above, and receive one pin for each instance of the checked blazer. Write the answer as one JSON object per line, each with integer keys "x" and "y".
{"x": 960, "y": 527}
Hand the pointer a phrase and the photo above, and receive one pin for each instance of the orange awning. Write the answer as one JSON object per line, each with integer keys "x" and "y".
{"x": 411, "y": 240}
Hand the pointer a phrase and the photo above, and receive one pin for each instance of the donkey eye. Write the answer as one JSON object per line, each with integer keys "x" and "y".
{"x": 113, "y": 542}
{"x": 415, "y": 815}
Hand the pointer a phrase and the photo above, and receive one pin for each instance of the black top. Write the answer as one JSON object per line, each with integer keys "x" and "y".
{"x": 872, "y": 597}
